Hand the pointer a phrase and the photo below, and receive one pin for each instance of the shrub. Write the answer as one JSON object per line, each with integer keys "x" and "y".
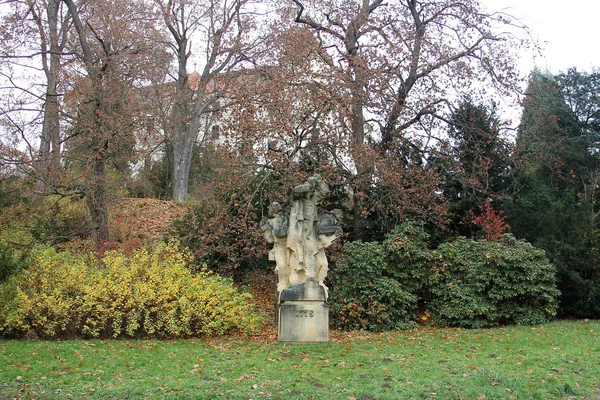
{"x": 580, "y": 296}
{"x": 466, "y": 283}
{"x": 409, "y": 257}
{"x": 146, "y": 294}
{"x": 364, "y": 297}
{"x": 46, "y": 296}
{"x": 377, "y": 284}
{"x": 67, "y": 217}
{"x": 480, "y": 284}
{"x": 491, "y": 222}
{"x": 16, "y": 218}
{"x": 10, "y": 260}
{"x": 224, "y": 235}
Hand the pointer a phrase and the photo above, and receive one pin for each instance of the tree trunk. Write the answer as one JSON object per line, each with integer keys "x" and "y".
{"x": 363, "y": 167}
{"x": 96, "y": 196}
{"x": 49, "y": 150}
{"x": 182, "y": 141}
{"x": 50, "y": 141}
{"x": 97, "y": 200}
{"x": 183, "y": 146}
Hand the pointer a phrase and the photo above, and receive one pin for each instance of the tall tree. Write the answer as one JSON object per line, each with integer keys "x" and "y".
{"x": 223, "y": 27}
{"x": 478, "y": 162}
{"x": 549, "y": 208}
{"x": 44, "y": 26}
{"x": 53, "y": 31}
{"x": 400, "y": 62}
{"x": 582, "y": 94}
{"x": 118, "y": 50}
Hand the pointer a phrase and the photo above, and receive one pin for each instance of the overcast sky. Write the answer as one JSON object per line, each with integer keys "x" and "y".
{"x": 568, "y": 30}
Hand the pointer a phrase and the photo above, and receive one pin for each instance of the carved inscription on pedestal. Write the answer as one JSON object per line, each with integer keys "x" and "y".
{"x": 305, "y": 313}
{"x": 303, "y": 321}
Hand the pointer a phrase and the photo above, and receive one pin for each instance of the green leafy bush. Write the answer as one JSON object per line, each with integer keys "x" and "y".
{"x": 46, "y": 296}
{"x": 363, "y": 297}
{"x": 146, "y": 294}
{"x": 465, "y": 283}
{"x": 409, "y": 256}
{"x": 478, "y": 284}
{"x": 377, "y": 285}
{"x": 10, "y": 260}
{"x": 580, "y": 297}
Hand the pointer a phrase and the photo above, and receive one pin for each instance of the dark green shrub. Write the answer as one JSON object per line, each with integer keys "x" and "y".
{"x": 478, "y": 284}
{"x": 579, "y": 295}
{"x": 376, "y": 285}
{"x": 409, "y": 257}
{"x": 10, "y": 261}
{"x": 364, "y": 295}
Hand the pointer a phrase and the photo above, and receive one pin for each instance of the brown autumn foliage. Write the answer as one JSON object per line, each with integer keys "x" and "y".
{"x": 392, "y": 65}
{"x": 222, "y": 227}
{"x": 117, "y": 49}
{"x": 326, "y": 100}
{"x": 351, "y": 90}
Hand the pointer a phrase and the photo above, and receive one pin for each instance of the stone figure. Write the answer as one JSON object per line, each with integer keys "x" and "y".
{"x": 302, "y": 239}
{"x": 299, "y": 248}
{"x": 328, "y": 230}
{"x": 275, "y": 230}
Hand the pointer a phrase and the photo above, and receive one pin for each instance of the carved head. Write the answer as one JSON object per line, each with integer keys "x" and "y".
{"x": 274, "y": 209}
{"x": 337, "y": 213}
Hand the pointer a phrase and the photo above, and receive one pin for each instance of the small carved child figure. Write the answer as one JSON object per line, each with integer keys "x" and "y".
{"x": 328, "y": 230}
{"x": 275, "y": 230}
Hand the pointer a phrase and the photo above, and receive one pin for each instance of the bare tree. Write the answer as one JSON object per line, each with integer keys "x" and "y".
{"x": 403, "y": 59}
{"x": 53, "y": 31}
{"x": 118, "y": 49}
{"x": 224, "y": 29}
{"x": 402, "y": 62}
{"x": 44, "y": 26}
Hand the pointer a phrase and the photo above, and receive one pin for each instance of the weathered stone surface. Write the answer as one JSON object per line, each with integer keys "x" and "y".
{"x": 309, "y": 290}
{"x": 304, "y": 321}
{"x": 299, "y": 243}
{"x": 300, "y": 239}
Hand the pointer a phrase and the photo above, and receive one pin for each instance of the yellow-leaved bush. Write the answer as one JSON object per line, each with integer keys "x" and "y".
{"x": 150, "y": 293}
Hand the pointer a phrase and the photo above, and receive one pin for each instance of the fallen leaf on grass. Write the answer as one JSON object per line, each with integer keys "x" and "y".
{"x": 244, "y": 377}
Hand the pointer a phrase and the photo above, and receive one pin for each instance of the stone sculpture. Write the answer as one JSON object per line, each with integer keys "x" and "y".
{"x": 299, "y": 241}
{"x": 328, "y": 230}
{"x": 275, "y": 229}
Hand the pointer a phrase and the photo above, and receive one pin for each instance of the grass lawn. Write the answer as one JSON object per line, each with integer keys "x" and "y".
{"x": 554, "y": 361}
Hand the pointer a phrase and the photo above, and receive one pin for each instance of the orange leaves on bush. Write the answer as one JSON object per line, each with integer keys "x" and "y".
{"x": 492, "y": 222}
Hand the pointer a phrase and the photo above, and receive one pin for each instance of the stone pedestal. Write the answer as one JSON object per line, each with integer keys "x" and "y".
{"x": 303, "y": 313}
